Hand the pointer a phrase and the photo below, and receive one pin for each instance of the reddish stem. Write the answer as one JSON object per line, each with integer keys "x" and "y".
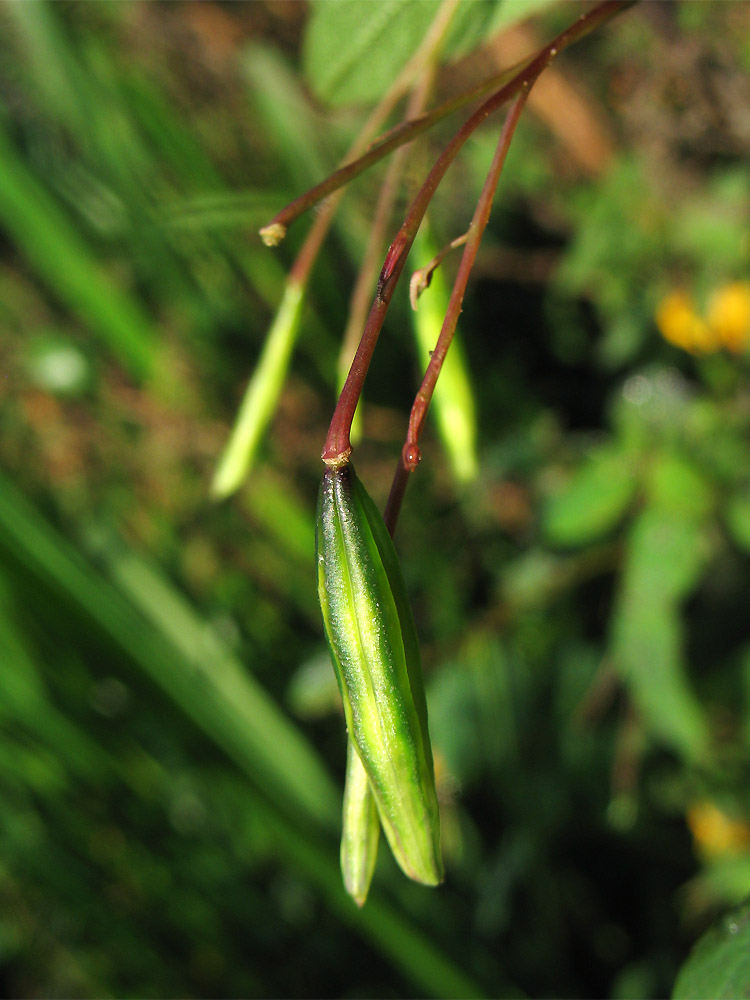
{"x": 404, "y": 132}
{"x": 378, "y": 232}
{"x": 410, "y": 454}
{"x": 275, "y": 230}
{"x": 337, "y": 447}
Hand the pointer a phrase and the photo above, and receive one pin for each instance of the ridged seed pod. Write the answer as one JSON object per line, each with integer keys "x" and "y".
{"x": 370, "y": 631}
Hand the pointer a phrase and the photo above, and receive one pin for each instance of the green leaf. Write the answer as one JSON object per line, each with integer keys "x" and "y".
{"x": 725, "y": 878}
{"x": 510, "y": 11}
{"x": 647, "y": 650}
{"x": 675, "y": 484}
{"x": 354, "y": 51}
{"x": 593, "y": 501}
{"x": 737, "y": 515}
{"x": 67, "y": 266}
{"x": 719, "y": 965}
{"x": 664, "y": 559}
{"x": 286, "y": 115}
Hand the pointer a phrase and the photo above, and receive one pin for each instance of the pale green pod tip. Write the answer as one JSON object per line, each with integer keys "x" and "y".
{"x": 261, "y": 396}
{"x": 453, "y": 400}
{"x": 375, "y": 653}
{"x": 360, "y": 829}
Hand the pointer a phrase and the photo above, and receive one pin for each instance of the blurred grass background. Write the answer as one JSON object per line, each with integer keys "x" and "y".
{"x": 171, "y": 748}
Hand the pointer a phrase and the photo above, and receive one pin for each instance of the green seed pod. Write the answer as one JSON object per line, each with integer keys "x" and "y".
{"x": 375, "y": 653}
{"x": 360, "y": 828}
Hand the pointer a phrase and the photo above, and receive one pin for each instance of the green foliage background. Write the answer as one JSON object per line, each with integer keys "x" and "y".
{"x": 171, "y": 748}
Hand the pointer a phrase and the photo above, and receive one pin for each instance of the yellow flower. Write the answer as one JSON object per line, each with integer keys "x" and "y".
{"x": 680, "y": 324}
{"x": 729, "y": 315}
{"x": 726, "y": 323}
{"x": 714, "y": 832}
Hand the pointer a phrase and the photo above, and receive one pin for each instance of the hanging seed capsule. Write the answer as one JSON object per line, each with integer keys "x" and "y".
{"x": 360, "y": 828}
{"x": 375, "y": 653}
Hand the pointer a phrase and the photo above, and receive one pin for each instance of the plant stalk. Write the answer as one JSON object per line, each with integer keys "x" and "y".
{"x": 360, "y": 297}
{"x": 411, "y": 454}
{"x": 505, "y": 85}
{"x": 262, "y": 392}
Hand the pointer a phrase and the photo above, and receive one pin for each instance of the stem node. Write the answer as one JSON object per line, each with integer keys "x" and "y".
{"x": 411, "y": 455}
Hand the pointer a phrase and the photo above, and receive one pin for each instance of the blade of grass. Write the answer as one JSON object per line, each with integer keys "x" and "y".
{"x": 156, "y": 628}
{"x": 419, "y": 959}
{"x": 48, "y": 61}
{"x": 67, "y": 266}
{"x": 164, "y": 636}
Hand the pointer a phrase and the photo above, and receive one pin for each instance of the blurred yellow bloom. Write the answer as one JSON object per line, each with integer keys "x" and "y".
{"x": 727, "y": 323}
{"x": 679, "y": 323}
{"x": 714, "y": 832}
{"x": 729, "y": 315}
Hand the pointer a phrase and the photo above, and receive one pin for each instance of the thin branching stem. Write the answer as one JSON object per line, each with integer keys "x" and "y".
{"x": 410, "y": 454}
{"x": 262, "y": 391}
{"x": 338, "y": 447}
{"x": 360, "y": 297}
{"x": 275, "y": 231}
{"x": 504, "y": 85}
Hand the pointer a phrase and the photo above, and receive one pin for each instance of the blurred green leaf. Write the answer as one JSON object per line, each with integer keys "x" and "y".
{"x": 663, "y": 561}
{"x": 711, "y": 226}
{"x": 719, "y": 965}
{"x": 51, "y": 63}
{"x": 647, "y": 649}
{"x": 737, "y": 514}
{"x": 593, "y": 501}
{"x": 507, "y": 12}
{"x": 725, "y": 878}
{"x": 673, "y": 483}
{"x": 68, "y": 267}
{"x": 287, "y": 115}
{"x": 354, "y": 51}
{"x": 160, "y": 632}
{"x": 665, "y": 556}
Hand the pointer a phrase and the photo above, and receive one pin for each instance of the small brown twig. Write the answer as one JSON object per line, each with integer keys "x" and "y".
{"x": 410, "y": 455}
{"x": 420, "y": 279}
